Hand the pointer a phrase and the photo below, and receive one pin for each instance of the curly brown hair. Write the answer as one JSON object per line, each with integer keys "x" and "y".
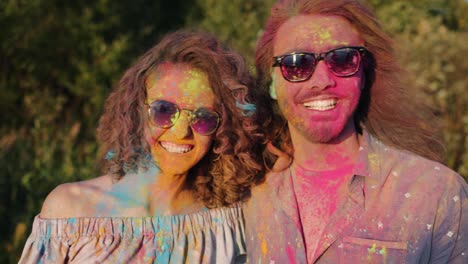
{"x": 388, "y": 109}
{"x": 225, "y": 174}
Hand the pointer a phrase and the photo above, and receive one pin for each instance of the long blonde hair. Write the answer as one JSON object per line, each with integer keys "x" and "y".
{"x": 388, "y": 109}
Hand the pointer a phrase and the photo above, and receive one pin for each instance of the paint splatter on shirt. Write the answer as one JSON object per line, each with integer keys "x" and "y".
{"x": 210, "y": 236}
{"x": 318, "y": 194}
{"x": 399, "y": 208}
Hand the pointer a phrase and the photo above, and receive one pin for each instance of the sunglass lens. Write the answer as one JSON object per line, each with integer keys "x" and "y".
{"x": 204, "y": 121}
{"x": 163, "y": 113}
{"x": 343, "y": 62}
{"x": 297, "y": 67}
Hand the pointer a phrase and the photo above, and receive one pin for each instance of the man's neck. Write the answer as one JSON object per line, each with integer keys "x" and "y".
{"x": 318, "y": 156}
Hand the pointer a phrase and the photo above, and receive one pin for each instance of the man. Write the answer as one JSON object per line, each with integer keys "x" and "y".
{"x": 363, "y": 184}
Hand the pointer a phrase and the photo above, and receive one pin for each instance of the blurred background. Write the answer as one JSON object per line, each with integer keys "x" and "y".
{"x": 60, "y": 59}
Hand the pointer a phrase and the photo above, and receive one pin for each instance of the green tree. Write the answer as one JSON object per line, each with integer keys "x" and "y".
{"x": 238, "y": 23}
{"x": 59, "y": 60}
{"x": 431, "y": 36}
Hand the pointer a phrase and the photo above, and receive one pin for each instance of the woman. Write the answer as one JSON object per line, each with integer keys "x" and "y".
{"x": 176, "y": 138}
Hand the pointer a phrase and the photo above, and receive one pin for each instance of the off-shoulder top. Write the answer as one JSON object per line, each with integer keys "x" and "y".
{"x": 210, "y": 236}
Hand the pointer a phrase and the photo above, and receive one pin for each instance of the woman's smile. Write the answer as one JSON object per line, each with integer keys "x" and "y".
{"x": 176, "y": 148}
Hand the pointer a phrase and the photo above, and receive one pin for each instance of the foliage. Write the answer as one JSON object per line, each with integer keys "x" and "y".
{"x": 432, "y": 37}
{"x": 238, "y": 23}
{"x": 59, "y": 60}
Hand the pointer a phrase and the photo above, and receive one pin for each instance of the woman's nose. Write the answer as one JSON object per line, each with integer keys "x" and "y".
{"x": 181, "y": 129}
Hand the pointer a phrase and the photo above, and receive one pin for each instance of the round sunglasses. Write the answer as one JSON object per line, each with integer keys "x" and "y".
{"x": 164, "y": 114}
{"x": 299, "y": 67}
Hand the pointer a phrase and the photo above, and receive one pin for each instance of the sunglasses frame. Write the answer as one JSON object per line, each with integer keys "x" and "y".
{"x": 278, "y": 60}
{"x": 190, "y": 117}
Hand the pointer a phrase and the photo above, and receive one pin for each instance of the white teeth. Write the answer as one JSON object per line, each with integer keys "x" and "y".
{"x": 321, "y": 105}
{"x": 176, "y": 148}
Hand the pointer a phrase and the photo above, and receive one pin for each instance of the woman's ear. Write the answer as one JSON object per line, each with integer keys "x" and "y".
{"x": 240, "y": 93}
{"x": 283, "y": 160}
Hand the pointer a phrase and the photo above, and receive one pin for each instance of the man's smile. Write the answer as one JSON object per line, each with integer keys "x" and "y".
{"x": 321, "y": 105}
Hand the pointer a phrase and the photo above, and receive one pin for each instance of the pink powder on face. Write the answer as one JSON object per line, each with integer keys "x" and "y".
{"x": 324, "y": 126}
{"x": 151, "y": 140}
{"x": 317, "y": 33}
{"x": 189, "y": 89}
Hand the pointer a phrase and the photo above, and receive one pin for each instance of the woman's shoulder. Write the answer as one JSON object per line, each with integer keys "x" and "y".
{"x": 75, "y": 199}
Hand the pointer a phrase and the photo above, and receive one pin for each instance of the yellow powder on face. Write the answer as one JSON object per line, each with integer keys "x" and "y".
{"x": 194, "y": 83}
{"x": 323, "y": 35}
{"x": 179, "y": 83}
{"x": 156, "y": 75}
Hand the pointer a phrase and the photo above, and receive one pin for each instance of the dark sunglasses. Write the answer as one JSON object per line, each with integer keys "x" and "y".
{"x": 299, "y": 67}
{"x": 165, "y": 114}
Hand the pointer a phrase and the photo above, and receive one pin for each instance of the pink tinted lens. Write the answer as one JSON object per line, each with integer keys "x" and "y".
{"x": 344, "y": 61}
{"x": 297, "y": 67}
{"x": 163, "y": 113}
{"x": 204, "y": 121}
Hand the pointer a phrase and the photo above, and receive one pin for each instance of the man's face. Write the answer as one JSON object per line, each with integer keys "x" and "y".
{"x": 320, "y": 108}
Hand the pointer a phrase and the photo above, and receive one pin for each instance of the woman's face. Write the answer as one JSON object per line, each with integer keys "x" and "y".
{"x": 178, "y": 148}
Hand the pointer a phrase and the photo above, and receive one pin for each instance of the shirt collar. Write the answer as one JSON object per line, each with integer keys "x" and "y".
{"x": 369, "y": 164}
{"x": 369, "y": 172}
{"x": 374, "y": 163}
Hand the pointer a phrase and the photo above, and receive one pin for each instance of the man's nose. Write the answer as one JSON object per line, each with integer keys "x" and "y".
{"x": 322, "y": 77}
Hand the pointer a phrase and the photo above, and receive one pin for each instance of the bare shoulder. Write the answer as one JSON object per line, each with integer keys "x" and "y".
{"x": 75, "y": 199}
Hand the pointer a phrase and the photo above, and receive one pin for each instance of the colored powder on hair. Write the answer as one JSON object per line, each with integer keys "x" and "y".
{"x": 110, "y": 155}
{"x": 248, "y": 109}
